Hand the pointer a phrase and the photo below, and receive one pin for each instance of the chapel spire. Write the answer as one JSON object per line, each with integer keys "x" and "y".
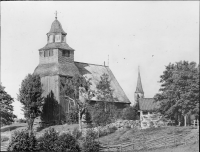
{"x": 139, "y": 84}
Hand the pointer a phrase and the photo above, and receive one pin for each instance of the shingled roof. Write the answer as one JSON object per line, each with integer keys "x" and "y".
{"x": 57, "y": 45}
{"x": 56, "y": 27}
{"x": 148, "y": 104}
{"x": 50, "y": 69}
{"x": 94, "y": 72}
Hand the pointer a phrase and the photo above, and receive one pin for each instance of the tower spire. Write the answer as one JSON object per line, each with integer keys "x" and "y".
{"x": 56, "y": 15}
{"x": 139, "y": 83}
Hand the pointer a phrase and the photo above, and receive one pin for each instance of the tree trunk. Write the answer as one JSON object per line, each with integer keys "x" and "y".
{"x": 79, "y": 119}
{"x": 30, "y": 124}
{"x": 185, "y": 120}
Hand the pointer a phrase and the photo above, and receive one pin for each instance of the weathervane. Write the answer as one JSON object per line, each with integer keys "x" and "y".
{"x": 56, "y": 15}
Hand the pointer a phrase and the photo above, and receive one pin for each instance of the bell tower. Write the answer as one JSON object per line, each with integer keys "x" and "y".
{"x": 139, "y": 93}
{"x": 56, "y": 50}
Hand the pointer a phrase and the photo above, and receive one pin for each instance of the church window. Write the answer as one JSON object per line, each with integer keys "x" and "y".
{"x": 46, "y": 53}
{"x": 66, "y": 53}
{"x": 57, "y": 38}
{"x": 51, "y": 39}
{"x": 41, "y": 53}
{"x": 63, "y": 38}
{"x": 51, "y": 52}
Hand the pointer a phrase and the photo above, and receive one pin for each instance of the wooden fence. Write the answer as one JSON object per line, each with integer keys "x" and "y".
{"x": 153, "y": 143}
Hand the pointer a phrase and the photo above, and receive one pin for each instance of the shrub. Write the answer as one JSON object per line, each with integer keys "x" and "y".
{"x": 76, "y": 133}
{"x": 22, "y": 141}
{"x": 89, "y": 143}
{"x": 112, "y": 129}
{"x": 22, "y": 120}
{"x": 48, "y": 140}
{"x": 129, "y": 113}
{"x": 68, "y": 143}
{"x": 100, "y": 117}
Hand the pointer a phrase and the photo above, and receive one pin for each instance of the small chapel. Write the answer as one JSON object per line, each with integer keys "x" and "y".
{"x": 146, "y": 106}
{"x": 56, "y": 61}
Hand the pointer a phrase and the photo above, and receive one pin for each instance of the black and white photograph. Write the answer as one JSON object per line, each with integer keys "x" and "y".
{"x": 99, "y": 76}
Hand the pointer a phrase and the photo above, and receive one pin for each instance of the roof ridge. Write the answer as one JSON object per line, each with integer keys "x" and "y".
{"x": 91, "y": 64}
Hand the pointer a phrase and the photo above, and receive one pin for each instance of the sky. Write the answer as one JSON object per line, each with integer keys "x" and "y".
{"x": 148, "y": 34}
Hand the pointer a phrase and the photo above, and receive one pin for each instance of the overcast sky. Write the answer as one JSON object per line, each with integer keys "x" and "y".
{"x": 146, "y": 34}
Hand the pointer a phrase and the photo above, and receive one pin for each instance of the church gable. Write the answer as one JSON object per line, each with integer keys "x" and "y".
{"x": 95, "y": 72}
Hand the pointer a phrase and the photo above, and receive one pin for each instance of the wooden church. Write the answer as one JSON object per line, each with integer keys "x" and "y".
{"x": 56, "y": 61}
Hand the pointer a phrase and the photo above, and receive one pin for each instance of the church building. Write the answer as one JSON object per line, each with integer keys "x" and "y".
{"x": 56, "y": 61}
{"x": 146, "y": 106}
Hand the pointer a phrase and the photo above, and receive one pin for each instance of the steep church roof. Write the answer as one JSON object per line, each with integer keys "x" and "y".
{"x": 139, "y": 84}
{"x": 51, "y": 69}
{"x": 94, "y": 72}
{"x": 56, "y": 27}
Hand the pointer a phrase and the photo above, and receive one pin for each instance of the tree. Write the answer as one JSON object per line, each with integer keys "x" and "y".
{"x": 7, "y": 116}
{"x": 104, "y": 111}
{"x": 30, "y": 95}
{"x": 72, "y": 88}
{"x": 179, "y": 92}
{"x": 104, "y": 90}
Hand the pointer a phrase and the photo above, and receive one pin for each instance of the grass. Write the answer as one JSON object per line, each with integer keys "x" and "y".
{"x": 128, "y": 135}
{"x": 118, "y": 137}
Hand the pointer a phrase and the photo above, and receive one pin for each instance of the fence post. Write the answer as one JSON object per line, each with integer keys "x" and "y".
{"x": 165, "y": 142}
{"x": 121, "y": 148}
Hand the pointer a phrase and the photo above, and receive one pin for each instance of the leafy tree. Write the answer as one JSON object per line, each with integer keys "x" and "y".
{"x": 104, "y": 90}
{"x": 30, "y": 95}
{"x": 104, "y": 111}
{"x": 7, "y": 116}
{"x": 100, "y": 117}
{"x": 179, "y": 92}
{"x": 73, "y": 88}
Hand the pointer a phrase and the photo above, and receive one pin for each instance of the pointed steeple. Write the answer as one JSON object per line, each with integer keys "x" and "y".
{"x": 139, "y": 84}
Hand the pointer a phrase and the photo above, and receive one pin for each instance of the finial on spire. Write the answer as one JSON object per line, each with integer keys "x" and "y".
{"x": 56, "y": 15}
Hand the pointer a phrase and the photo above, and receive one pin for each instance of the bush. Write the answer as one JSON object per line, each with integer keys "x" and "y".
{"x": 100, "y": 117}
{"x": 89, "y": 143}
{"x": 76, "y": 133}
{"x": 22, "y": 141}
{"x": 129, "y": 113}
{"x": 68, "y": 143}
{"x": 48, "y": 140}
{"x": 51, "y": 141}
{"x": 22, "y": 120}
{"x": 112, "y": 129}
